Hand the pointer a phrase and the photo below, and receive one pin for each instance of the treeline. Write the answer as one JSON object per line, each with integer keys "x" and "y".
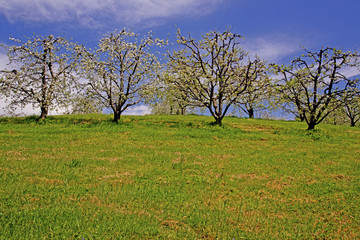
{"x": 213, "y": 73}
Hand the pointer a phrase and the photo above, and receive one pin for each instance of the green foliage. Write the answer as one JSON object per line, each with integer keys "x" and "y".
{"x": 177, "y": 177}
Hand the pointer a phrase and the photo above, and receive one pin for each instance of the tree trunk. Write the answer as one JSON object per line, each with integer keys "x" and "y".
{"x": 250, "y": 112}
{"x": 117, "y": 115}
{"x": 302, "y": 117}
{"x": 352, "y": 122}
{"x": 218, "y": 121}
{"x": 44, "y": 113}
{"x": 311, "y": 125}
{"x": 182, "y": 111}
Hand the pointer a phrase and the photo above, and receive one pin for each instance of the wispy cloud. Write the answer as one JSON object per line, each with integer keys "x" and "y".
{"x": 274, "y": 48}
{"x": 97, "y": 13}
{"x": 351, "y": 72}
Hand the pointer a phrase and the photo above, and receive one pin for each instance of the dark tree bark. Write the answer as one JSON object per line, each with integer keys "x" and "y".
{"x": 352, "y": 122}
{"x": 311, "y": 125}
{"x": 251, "y": 112}
{"x": 118, "y": 109}
{"x": 218, "y": 121}
{"x": 302, "y": 117}
{"x": 183, "y": 110}
{"x": 44, "y": 113}
{"x": 117, "y": 115}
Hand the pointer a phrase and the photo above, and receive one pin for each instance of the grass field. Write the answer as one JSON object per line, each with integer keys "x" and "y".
{"x": 177, "y": 177}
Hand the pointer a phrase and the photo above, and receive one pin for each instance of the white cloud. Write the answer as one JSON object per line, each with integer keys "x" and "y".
{"x": 138, "y": 110}
{"x": 99, "y": 12}
{"x": 350, "y": 72}
{"x": 273, "y": 48}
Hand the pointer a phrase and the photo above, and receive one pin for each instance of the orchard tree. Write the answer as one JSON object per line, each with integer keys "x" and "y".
{"x": 121, "y": 71}
{"x": 169, "y": 101}
{"x": 259, "y": 89}
{"x": 41, "y": 73}
{"x": 348, "y": 113}
{"x": 212, "y": 72}
{"x": 351, "y": 107}
{"x": 316, "y": 83}
{"x": 337, "y": 117}
{"x": 168, "y": 98}
{"x": 84, "y": 103}
{"x": 289, "y": 103}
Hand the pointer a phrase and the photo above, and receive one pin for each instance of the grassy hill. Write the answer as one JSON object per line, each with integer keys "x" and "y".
{"x": 177, "y": 177}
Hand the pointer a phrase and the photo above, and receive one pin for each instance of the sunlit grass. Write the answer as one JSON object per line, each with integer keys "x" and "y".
{"x": 177, "y": 177}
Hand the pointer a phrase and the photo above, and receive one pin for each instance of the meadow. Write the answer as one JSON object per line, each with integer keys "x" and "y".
{"x": 177, "y": 177}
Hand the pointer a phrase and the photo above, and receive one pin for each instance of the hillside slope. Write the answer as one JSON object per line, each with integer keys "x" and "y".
{"x": 177, "y": 177}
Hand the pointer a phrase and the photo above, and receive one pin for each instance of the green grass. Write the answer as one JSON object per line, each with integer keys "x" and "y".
{"x": 177, "y": 177}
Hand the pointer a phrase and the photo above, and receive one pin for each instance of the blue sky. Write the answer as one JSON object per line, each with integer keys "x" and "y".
{"x": 276, "y": 30}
